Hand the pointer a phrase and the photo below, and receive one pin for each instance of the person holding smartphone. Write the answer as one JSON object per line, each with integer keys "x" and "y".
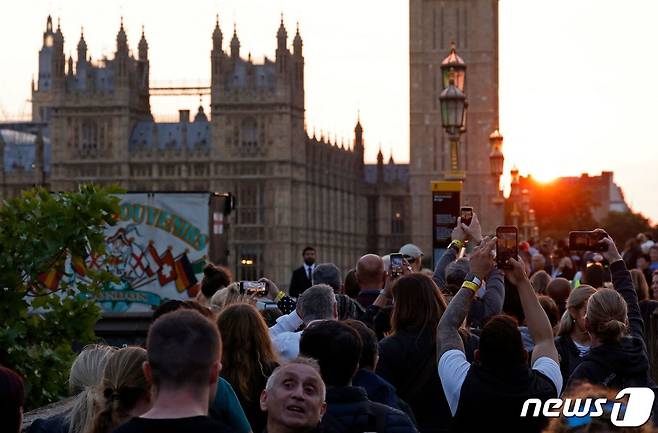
{"x": 413, "y": 255}
{"x": 495, "y": 387}
{"x": 618, "y": 356}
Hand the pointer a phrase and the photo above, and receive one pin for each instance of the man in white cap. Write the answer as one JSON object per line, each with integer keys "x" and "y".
{"x": 413, "y": 255}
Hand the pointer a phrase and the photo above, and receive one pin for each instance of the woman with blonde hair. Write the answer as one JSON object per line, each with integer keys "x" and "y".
{"x": 226, "y": 296}
{"x": 572, "y": 339}
{"x": 618, "y": 356}
{"x": 248, "y": 357}
{"x": 125, "y": 391}
{"x": 84, "y": 377}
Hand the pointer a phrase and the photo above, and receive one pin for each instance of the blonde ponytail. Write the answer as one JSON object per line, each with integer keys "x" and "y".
{"x": 577, "y": 298}
{"x": 607, "y": 315}
{"x": 84, "y": 377}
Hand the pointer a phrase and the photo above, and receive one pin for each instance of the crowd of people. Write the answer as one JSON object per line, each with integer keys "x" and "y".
{"x": 457, "y": 349}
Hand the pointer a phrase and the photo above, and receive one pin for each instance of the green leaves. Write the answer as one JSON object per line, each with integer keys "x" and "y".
{"x": 38, "y": 230}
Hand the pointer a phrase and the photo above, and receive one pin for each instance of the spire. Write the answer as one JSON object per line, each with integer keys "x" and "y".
{"x": 297, "y": 43}
{"x": 49, "y": 24}
{"x": 380, "y": 166}
{"x": 82, "y": 46}
{"x": 358, "y": 133}
{"x": 235, "y": 43}
{"x": 70, "y": 65}
{"x": 200, "y": 115}
{"x": 122, "y": 40}
{"x": 217, "y": 36}
{"x": 390, "y": 159}
{"x": 143, "y": 46}
{"x": 282, "y": 36}
{"x": 58, "y": 59}
{"x": 59, "y": 37}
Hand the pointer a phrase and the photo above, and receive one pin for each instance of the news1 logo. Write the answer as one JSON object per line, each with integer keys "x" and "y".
{"x": 580, "y": 410}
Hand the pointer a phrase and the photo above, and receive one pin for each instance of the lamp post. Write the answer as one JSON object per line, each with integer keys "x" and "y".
{"x": 496, "y": 162}
{"x": 453, "y": 107}
{"x": 525, "y": 203}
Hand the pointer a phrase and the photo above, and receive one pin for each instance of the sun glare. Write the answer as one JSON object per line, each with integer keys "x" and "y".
{"x": 543, "y": 177}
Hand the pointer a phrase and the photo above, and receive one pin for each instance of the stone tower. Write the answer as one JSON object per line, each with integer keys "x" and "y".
{"x": 258, "y": 131}
{"x": 473, "y": 26}
{"x": 91, "y": 110}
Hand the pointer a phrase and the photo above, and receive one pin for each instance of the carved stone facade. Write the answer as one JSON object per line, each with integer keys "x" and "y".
{"x": 473, "y": 26}
{"x": 292, "y": 189}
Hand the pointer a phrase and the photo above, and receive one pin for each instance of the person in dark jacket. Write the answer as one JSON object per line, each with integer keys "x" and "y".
{"x": 449, "y": 275}
{"x": 647, "y": 305}
{"x": 572, "y": 339}
{"x": 495, "y": 387}
{"x": 407, "y": 357}
{"x": 302, "y": 276}
{"x": 618, "y": 356}
{"x": 378, "y": 389}
{"x": 337, "y": 347}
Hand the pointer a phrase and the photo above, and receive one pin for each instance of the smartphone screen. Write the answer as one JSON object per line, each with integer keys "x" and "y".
{"x": 585, "y": 241}
{"x": 507, "y": 245}
{"x": 257, "y": 288}
{"x": 466, "y": 215}
{"x": 397, "y": 261}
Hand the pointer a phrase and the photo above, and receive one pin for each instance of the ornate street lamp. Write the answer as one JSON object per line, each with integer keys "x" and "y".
{"x": 455, "y": 66}
{"x": 452, "y": 116}
{"x": 525, "y": 206}
{"x": 496, "y": 157}
{"x": 496, "y": 163}
{"x": 453, "y": 106}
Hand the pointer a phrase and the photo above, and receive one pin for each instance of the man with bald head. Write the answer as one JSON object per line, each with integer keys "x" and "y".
{"x": 370, "y": 275}
{"x": 294, "y": 397}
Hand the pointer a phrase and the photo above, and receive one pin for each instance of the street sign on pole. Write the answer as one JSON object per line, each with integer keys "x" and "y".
{"x": 446, "y": 202}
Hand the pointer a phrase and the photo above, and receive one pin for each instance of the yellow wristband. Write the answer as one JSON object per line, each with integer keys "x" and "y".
{"x": 470, "y": 285}
{"x": 279, "y": 296}
{"x": 459, "y": 244}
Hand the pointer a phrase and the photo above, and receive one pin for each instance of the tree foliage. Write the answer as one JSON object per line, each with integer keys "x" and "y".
{"x": 560, "y": 209}
{"x": 625, "y": 225}
{"x": 39, "y": 233}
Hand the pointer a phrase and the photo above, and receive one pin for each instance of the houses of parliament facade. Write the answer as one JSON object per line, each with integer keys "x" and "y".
{"x": 92, "y": 122}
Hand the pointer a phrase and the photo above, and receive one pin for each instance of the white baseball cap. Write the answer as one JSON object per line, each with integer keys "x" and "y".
{"x": 411, "y": 250}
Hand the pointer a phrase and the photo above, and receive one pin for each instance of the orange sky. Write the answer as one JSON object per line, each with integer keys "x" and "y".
{"x": 577, "y": 77}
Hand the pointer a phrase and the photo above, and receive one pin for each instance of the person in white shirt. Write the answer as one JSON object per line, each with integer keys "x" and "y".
{"x": 494, "y": 388}
{"x": 316, "y": 303}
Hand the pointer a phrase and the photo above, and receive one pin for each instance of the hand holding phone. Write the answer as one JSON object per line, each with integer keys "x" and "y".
{"x": 481, "y": 261}
{"x": 253, "y": 288}
{"x": 608, "y": 247}
{"x": 587, "y": 241}
{"x": 507, "y": 246}
{"x": 397, "y": 262}
{"x": 515, "y": 273}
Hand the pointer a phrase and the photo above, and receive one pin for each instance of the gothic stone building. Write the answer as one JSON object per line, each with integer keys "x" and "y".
{"x": 91, "y": 122}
